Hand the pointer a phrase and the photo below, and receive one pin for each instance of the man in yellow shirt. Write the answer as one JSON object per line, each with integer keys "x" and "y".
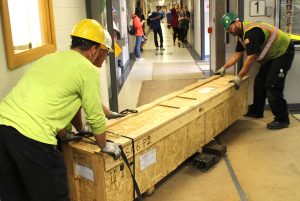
{"x": 43, "y": 102}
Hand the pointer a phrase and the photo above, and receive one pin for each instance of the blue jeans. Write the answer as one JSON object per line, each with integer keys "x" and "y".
{"x": 137, "y": 49}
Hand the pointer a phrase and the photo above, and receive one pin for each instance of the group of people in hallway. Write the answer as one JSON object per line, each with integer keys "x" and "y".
{"x": 180, "y": 24}
{"x": 50, "y": 95}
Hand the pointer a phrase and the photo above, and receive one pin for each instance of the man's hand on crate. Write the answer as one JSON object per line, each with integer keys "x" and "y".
{"x": 112, "y": 149}
{"x": 237, "y": 82}
{"x": 114, "y": 115}
{"x": 221, "y": 71}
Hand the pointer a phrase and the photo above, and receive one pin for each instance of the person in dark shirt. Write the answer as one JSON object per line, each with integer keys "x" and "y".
{"x": 175, "y": 22}
{"x": 274, "y": 50}
{"x": 184, "y": 21}
{"x": 155, "y": 18}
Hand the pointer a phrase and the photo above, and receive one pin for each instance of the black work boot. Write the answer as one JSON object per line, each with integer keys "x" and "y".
{"x": 254, "y": 115}
{"x": 253, "y": 112}
{"x": 275, "y": 125}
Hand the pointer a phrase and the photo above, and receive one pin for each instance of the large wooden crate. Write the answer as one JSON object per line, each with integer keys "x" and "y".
{"x": 165, "y": 133}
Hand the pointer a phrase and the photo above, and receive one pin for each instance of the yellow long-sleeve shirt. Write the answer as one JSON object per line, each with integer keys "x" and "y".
{"x": 50, "y": 93}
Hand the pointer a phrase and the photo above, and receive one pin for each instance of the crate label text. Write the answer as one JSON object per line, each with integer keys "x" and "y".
{"x": 148, "y": 159}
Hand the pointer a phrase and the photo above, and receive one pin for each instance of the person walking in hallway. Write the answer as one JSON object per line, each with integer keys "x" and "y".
{"x": 184, "y": 21}
{"x": 175, "y": 22}
{"x": 139, "y": 33}
{"x": 274, "y": 50}
{"x": 143, "y": 19}
{"x": 156, "y": 18}
{"x": 43, "y": 102}
{"x": 187, "y": 16}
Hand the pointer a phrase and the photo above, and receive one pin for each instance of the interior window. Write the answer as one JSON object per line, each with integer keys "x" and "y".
{"x": 289, "y": 20}
{"x": 28, "y": 30}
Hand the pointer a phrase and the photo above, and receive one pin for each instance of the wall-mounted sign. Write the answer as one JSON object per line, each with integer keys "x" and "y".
{"x": 257, "y": 8}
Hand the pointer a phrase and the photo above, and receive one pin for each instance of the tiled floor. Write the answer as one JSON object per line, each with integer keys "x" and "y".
{"x": 129, "y": 93}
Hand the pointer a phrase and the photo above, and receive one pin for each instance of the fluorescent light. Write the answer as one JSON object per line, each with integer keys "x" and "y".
{"x": 162, "y": 2}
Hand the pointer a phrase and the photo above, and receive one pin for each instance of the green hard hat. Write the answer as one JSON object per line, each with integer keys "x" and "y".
{"x": 227, "y": 19}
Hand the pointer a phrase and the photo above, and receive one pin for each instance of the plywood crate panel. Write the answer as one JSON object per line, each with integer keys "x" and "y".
{"x": 164, "y": 134}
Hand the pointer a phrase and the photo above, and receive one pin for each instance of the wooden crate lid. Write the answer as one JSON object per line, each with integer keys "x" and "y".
{"x": 170, "y": 107}
{"x": 160, "y": 112}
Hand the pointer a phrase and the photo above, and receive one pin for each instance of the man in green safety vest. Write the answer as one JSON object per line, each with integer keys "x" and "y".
{"x": 274, "y": 50}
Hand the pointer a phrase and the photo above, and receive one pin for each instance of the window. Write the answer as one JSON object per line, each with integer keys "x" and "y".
{"x": 289, "y": 17}
{"x": 28, "y": 30}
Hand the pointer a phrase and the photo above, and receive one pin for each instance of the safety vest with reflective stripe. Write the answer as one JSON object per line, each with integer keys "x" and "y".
{"x": 276, "y": 41}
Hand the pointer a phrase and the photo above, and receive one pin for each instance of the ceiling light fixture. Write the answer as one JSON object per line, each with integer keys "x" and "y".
{"x": 162, "y": 2}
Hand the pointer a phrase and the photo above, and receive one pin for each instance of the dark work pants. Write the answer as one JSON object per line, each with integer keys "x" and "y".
{"x": 175, "y": 33}
{"x": 30, "y": 170}
{"x": 269, "y": 83}
{"x": 159, "y": 32}
{"x": 182, "y": 34}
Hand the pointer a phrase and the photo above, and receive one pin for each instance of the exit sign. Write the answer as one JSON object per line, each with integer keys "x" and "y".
{"x": 257, "y": 8}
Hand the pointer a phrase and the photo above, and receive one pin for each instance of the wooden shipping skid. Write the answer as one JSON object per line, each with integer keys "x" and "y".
{"x": 166, "y": 132}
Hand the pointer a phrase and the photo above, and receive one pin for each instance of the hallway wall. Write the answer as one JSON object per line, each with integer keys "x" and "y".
{"x": 217, "y": 37}
{"x": 197, "y": 27}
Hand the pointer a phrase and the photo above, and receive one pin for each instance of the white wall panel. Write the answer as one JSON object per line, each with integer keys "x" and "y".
{"x": 66, "y": 15}
{"x": 291, "y": 91}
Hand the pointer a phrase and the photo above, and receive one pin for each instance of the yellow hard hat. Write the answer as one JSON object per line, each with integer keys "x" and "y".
{"x": 107, "y": 40}
{"x": 89, "y": 29}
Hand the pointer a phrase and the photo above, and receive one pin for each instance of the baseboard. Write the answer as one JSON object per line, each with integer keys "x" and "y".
{"x": 291, "y": 106}
{"x": 192, "y": 51}
{"x": 294, "y": 106}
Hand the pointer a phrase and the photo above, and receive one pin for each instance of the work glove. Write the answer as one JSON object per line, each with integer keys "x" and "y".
{"x": 221, "y": 71}
{"x": 237, "y": 82}
{"x": 70, "y": 136}
{"x": 112, "y": 149}
{"x": 114, "y": 115}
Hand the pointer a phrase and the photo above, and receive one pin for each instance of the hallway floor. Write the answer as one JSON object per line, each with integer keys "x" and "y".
{"x": 172, "y": 55}
{"x": 260, "y": 164}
